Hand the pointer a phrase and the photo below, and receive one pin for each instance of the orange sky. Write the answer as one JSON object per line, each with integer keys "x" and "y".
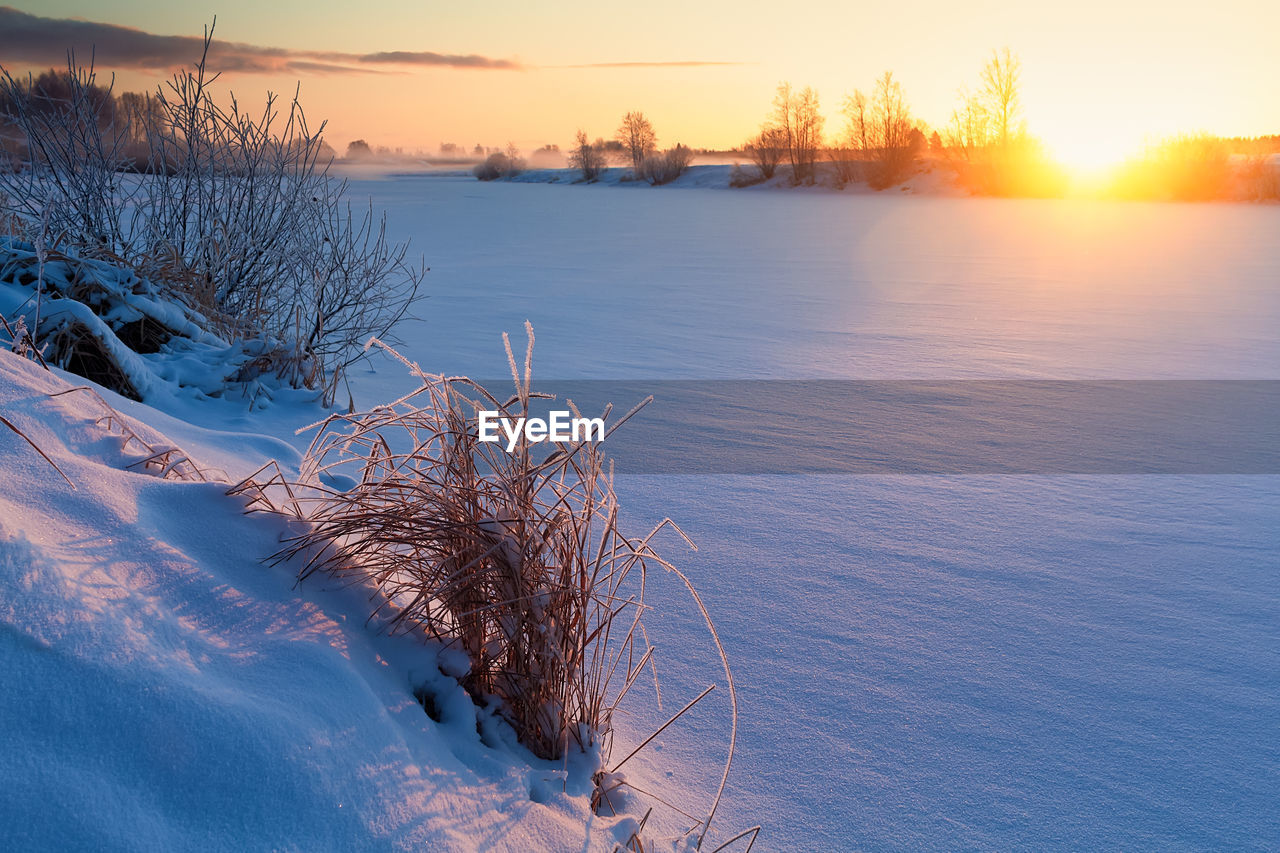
{"x": 1099, "y": 77}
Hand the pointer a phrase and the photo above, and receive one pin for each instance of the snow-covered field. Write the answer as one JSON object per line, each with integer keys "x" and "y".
{"x": 924, "y": 662}
{"x": 978, "y": 662}
{"x": 642, "y": 282}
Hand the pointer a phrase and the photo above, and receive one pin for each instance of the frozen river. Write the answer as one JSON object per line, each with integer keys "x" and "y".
{"x": 924, "y": 662}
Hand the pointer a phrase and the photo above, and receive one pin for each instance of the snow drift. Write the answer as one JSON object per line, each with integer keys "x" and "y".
{"x": 165, "y": 689}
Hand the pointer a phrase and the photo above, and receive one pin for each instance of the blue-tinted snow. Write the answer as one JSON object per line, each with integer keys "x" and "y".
{"x": 924, "y": 662}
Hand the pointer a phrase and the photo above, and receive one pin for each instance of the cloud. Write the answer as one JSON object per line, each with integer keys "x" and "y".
{"x": 32, "y": 40}
{"x": 27, "y": 39}
{"x": 404, "y": 57}
{"x": 691, "y": 63}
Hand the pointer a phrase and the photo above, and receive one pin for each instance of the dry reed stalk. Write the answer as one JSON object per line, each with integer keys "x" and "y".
{"x": 21, "y": 341}
{"x": 167, "y": 463}
{"x": 36, "y": 448}
{"x": 754, "y": 832}
{"x": 516, "y": 557}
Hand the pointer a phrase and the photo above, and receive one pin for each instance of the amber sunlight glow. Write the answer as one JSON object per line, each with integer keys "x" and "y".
{"x": 1087, "y": 155}
{"x": 533, "y": 74}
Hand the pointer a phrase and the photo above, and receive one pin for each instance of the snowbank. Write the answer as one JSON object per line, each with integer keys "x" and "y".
{"x": 167, "y": 690}
{"x": 101, "y": 320}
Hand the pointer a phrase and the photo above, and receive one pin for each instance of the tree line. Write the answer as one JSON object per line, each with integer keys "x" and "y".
{"x": 985, "y": 143}
{"x": 634, "y": 144}
{"x": 879, "y": 139}
{"x": 878, "y": 142}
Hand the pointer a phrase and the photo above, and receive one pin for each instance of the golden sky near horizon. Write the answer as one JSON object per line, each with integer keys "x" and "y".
{"x": 1098, "y": 77}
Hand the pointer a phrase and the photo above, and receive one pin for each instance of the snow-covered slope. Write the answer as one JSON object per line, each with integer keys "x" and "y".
{"x": 987, "y": 662}
{"x": 167, "y": 690}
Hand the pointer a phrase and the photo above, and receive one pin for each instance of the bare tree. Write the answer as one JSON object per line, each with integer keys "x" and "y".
{"x": 781, "y": 119}
{"x": 854, "y": 144}
{"x": 891, "y": 131}
{"x": 140, "y": 116}
{"x": 890, "y": 116}
{"x": 797, "y": 116}
{"x": 986, "y": 142}
{"x": 969, "y": 130}
{"x": 858, "y": 131}
{"x": 637, "y": 138}
{"x": 1001, "y": 94}
{"x": 586, "y": 157}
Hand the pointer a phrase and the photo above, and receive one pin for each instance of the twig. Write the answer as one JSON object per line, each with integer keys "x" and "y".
{"x": 754, "y": 832}
{"x": 677, "y": 716}
{"x": 35, "y": 447}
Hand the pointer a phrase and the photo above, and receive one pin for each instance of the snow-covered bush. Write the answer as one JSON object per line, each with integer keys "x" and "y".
{"x": 127, "y": 333}
{"x": 234, "y": 213}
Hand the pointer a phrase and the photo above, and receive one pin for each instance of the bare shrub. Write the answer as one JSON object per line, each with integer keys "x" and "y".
{"x": 500, "y": 164}
{"x": 766, "y": 150}
{"x": 846, "y": 164}
{"x": 740, "y": 177}
{"x": 1260, "y": 177}
{"x": 66, "y": 157}
{"x": 665, "y": 167}
{"x": 236, "y": 211}
{"x": 1194, "y": 167}
{"x": 1020, "y": 169}
{"x": 587, "y": 157}
{"x": 494, "y": 167}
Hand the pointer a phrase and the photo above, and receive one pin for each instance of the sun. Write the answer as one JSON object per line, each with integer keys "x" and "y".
{"x": 1089, "y": 153}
